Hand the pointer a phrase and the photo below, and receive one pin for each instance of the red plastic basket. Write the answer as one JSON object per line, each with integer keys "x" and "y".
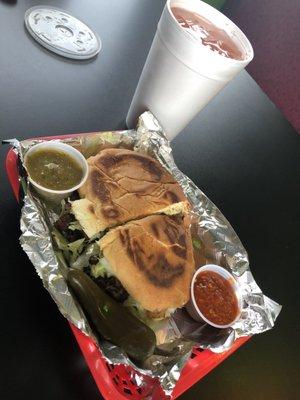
{"x": 117, "y": 382}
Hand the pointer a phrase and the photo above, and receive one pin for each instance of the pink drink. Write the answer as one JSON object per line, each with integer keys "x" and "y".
{"x": 208, "y": 34}
{"x": 196, "y": 51}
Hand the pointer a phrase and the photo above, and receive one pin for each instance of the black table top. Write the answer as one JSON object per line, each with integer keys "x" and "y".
{"x": 240, "y": 150}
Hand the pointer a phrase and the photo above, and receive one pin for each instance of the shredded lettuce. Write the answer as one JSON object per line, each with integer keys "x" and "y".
{"x": 138, "y": 311}
{"x": 102, "y": 268}
{"x": 98, "y": 235}
{"x": 70, "y": 250}
{"x": 75, "y": 249}
{"x": 135, "y": 308}
{"x": 61, "y": 259}
{"x": 98, "y": 270}
{"x": 196, "y": 243}
{"x": 60, "y": 240}
{"x": 63, "y": 207}
{"x": 77, "y": 246}
{"x": 75, "y": 226}
{"x": 83, "y": 260}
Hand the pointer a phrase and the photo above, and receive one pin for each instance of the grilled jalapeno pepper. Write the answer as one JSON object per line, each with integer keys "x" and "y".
{"x": 110, "y": 319}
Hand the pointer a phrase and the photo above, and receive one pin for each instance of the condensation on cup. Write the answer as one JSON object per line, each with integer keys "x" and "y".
{"x": 185, "y": 68}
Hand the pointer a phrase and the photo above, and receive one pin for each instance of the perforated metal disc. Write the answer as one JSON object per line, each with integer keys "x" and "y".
{"x": 61, "y": 33}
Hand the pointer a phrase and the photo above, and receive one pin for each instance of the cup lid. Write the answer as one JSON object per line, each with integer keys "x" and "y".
{"x": 62, "y": 33}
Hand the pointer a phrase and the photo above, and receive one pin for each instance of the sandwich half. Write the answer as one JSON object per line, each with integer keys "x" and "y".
{"x": 153, "y": 259}
{"x": 124, "y": 185}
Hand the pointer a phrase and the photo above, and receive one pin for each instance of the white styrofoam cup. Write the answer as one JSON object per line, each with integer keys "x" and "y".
{"x": 180, "y": 75}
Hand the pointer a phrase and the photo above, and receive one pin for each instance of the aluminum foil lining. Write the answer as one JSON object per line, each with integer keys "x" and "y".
{"x": 220, "y": 245}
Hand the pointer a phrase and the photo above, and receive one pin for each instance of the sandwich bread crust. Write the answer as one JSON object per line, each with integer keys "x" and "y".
{"x": 153, "y": 259}
{"x": 124, "y": 185}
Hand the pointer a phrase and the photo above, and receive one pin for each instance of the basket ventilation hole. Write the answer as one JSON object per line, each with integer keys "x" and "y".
{"x": 115, "y": 380}
{"x": 127, "y": 391}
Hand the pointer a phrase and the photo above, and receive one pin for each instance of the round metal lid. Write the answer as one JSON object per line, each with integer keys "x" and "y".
{"x": 61, "y": 33}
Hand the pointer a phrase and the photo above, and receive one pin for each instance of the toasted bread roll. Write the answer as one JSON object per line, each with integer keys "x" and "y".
{"x": 124, "y": 185}
{"x": 153, "y": 259}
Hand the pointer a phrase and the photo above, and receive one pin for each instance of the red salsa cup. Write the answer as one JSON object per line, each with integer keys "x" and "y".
{"x": 215, "y": 297}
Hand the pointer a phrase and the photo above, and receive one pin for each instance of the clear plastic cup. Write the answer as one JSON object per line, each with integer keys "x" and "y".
{"x": 57, "y": 195}
{"x": 192, "y": 307}
{"x": 180, "y": 76}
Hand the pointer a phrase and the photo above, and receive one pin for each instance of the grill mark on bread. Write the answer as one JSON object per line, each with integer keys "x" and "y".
{"x": 172, "y": 232}
{"x": 110, "y": 212}
{"x": 98, "y": 187}
{"x": 179, "y": 251}
{"x": 109, "y": 161}
{"x": 155, "y": 229}
{"x": 100, "y": 190}
{"x": 175, "y": 237}
{"x": 182, "y": 240}
{"x": 91, "y": 208}
{"x": 125, "y": 239}
{"x": 122, "y": 237}
{"x": 163, "y": 273}
{"x": 160, "y": 273}
{"x": 169, "y": 195}
{"x": 177, "y": 218}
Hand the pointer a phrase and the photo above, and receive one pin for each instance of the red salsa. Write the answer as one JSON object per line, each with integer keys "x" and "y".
{"x": 215, "y": 298}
